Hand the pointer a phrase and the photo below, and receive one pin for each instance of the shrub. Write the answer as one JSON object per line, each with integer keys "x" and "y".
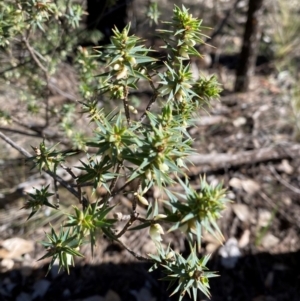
{"x": 149, "y": 145}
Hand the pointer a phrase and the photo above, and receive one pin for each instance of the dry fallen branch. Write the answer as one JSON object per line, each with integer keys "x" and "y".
{"x": 212, "y": 162}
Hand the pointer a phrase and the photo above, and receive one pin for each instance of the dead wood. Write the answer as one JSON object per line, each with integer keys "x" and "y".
{"x": 212, "y": 162}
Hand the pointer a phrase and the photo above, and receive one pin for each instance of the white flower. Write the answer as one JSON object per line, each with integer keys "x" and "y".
{"x": 117, "y": 66}
{"x": 156, "y": 231}
{"x": 122, "y": 73}
{"x": 163, "y": 167}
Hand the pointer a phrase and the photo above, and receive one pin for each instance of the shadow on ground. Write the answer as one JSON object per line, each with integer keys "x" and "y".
{"x": 261, "y": 277}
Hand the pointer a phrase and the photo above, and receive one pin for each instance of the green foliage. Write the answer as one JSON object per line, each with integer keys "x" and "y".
{"x": 62, "y": 247}
{"x": 128, "y": 144}
{"x": 191, "y": 273}
{"x": 37, "y": 200}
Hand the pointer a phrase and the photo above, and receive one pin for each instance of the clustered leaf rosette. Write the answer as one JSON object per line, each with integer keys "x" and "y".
{"x": 89, "y": 221}
{"x": 47, "y": 157}
{"x": 188, "y": 275}
{"x": 162, "y": 150}
{"x": 177, "y": 83}
{"x": 207, "y": 88}
{"x": 198, "y": 211}
{"x": 185, "y": 34}
{"x": 114, "y": 138}
{"x": 37, "y": 200}
{"x": 125, "y": 57}
{"x": 63, "y": 246}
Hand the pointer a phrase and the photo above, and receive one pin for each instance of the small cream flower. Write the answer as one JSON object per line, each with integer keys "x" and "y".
{"x": 122, "y": 73}
{"x": 155, "y": 232}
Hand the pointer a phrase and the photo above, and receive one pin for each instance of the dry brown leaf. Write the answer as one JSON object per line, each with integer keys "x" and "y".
{"x": 264, "y": 217}
{"x": 241, "y": 211}
{"x": 235, "y": 183}
{"x": 285, "y": 166}
{"x": 15, "y": 247}
{"x": 245, "y": 238}
{"x": 6, "y": 264}
{"x": 239, "y": 121}
{"x": 112, "y": 296}
{"x": 269, "y": 241}
{"x": 250, "y": 186}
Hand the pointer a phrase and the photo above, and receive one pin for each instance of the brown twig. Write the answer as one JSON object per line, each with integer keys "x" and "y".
{"x": 220, "y": 27}
{"x": 70, "y": 172}
{"x": 126, "y": 105}
{"x": 53, "y": 175}
{"x": 282, "y": 181}
{"x": 151, "y": 102}
{"x": 133, "y": 217}
{"x": 34, "y": 57}
{"x": 44, "y": 69}
{"x": 137, "y": 256}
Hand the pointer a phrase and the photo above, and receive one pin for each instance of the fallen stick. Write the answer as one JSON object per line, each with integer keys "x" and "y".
{"x": 212, "y": 162}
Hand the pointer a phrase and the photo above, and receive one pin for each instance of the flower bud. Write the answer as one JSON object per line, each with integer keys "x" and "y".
{"x": 142, "y": 200}
{"x": 148, "y": 174}
{"x": 163, "y": 167}
{"x": 190, "y": 42}
{"x": 159, "y": 216}
{"x": 117, "y": 66}
{"x": 156, "y": 231}
{"x": 122, "y": 73}
{"x": 132, "y": 60}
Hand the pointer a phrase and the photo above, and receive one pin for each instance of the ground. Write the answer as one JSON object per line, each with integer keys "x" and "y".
{"x": 246, "y": 141}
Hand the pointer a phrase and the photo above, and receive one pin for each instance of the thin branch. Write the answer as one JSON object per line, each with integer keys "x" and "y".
{"x": 56, "y": 194}
{"x": 126, "y": 105}
{"x": 35, "y": 128}
{"x": 53, "y": 175}
{"x": 15, "y": 146}
{"x": 151, "y": 102}
{"x": 282, "y": 181}
{"x": 112, "y": 186}
{"x": 137, "y": 256}
{"x": 44, "y": 69}
{"x": 35, "y": 58}
{"x": 133, "y": 217}
{"x": 70, "y": 172}
{"x": 20, "y": 132}
{"x": 219, "y": 29}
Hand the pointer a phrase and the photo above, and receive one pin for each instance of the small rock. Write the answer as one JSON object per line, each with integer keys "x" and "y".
{"x": 287, "y": 201}
{"x": 285, "y": 167}
{"x": 94, "y": 298}
{"x": 15, "y": 247}
{"x": 40, "y": 288}
{"x": 269, "y": 280}
{"x": 245, "y": 238}
{"x": 235, "y": 183}
{"x": 250, "y": 186}
{"x": 269, "y": 241}
{"x": 264, "y": 217}
{"x": 112, "y": 296}
{"x": 241, "y": 211}
{"x": 6, "y": 264}
{"x": 230, "y": 253}
{"x": 239, "y": 121}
